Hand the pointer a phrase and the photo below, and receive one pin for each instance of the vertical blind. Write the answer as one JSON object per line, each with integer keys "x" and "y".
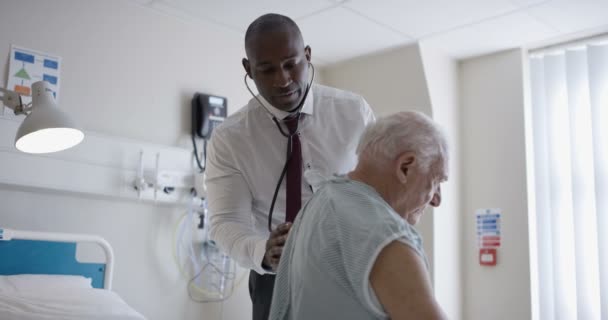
{"x": 569, "y": 110}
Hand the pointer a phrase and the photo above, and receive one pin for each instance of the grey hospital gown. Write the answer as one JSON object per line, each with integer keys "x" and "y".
{"x": 326, "y": 262}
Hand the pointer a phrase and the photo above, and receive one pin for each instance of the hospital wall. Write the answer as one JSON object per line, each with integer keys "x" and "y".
{"x": 441, "y": 74}
{"x": 391, "y": 80}
{"x": 494, "y": 175}
{"x": 128, "y": 72}
{"x": 479, "y": 102}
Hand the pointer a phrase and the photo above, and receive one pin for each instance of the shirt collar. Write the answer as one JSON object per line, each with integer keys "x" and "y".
{"x": 307, "y": 108}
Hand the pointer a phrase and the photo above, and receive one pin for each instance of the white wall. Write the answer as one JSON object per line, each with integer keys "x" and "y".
{"x": 494, "y": 176}
{"x": 127, "y": 70}
{"x": 130, "y": 72}
{"x": 441, "y": 73}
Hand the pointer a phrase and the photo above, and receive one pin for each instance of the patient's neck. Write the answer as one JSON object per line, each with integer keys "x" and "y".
{"x": 378, "y": 178}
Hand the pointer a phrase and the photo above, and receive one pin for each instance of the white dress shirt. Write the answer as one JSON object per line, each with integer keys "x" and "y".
{"x": 247, "y": 153}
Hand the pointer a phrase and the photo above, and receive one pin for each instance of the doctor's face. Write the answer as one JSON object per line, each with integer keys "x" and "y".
{"x": 278, "y": 63}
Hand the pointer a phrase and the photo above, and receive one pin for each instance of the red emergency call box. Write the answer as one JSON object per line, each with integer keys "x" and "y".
{"x": 487, "y": 256}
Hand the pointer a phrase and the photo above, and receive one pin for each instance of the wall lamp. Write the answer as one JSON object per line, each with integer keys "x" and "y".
{"x": 46, "y": 128}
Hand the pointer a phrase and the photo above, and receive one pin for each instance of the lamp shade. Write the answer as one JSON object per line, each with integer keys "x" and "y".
{"x": 47, "y": 128}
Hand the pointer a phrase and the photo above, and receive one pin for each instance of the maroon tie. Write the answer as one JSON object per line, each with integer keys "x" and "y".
{"x": 294, "y": 171}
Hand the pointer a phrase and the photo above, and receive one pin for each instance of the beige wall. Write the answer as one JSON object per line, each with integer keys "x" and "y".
{"x": 390, "y": 81}
{"x": 494, "y": 176}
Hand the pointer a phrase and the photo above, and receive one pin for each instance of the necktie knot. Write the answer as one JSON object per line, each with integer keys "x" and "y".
{"x": 292, "y": 123}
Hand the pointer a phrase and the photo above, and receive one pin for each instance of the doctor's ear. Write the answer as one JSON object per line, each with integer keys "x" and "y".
{"x": 308, "y": 53}
{"x": 247, "y": 67}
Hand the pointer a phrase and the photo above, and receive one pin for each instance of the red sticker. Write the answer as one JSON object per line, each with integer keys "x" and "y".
{"x": 487, "y": 256}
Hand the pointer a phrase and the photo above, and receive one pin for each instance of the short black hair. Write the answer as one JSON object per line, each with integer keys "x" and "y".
{"x": 271, "y": 22}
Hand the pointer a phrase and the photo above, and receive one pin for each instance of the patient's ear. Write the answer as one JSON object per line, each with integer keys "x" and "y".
{"x": 405, "y": 164}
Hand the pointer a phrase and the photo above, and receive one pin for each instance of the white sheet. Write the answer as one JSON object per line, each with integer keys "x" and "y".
{"x": 34, "y": 282}
{"x": 51, "y": 304}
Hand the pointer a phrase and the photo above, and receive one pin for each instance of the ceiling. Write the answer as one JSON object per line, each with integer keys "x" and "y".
{"x": 340, "y": 30}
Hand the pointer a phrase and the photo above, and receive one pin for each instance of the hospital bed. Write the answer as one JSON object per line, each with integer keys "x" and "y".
{"x": 40, "y": 278}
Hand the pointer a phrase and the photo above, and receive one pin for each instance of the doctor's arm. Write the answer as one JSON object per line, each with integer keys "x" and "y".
{"x": 230, "y": 208}
{"x": 402, "y": 285}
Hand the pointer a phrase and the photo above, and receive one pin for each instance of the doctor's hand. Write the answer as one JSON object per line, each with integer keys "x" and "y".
{"x": 274, "y": 246}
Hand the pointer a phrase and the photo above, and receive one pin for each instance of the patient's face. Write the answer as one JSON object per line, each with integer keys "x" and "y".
{"x": 424, "y": 189}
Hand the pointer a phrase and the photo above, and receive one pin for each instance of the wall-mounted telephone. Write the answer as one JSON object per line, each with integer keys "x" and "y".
{"x": 207, "y": 113}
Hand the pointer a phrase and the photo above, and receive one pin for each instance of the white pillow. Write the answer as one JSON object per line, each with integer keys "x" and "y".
{"x": 34, "y": 282}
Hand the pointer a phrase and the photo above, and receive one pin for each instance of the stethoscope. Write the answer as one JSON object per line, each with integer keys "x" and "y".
{"x": 287, "y": 135}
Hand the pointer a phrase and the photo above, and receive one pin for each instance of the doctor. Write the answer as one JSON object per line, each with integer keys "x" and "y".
{"x": 260, "y": 158}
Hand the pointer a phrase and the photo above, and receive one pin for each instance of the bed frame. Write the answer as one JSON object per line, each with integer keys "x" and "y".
{"x": 32, "y": 252}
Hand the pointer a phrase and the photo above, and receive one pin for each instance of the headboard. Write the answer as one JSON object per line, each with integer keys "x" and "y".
{"x": 32, "y": 252}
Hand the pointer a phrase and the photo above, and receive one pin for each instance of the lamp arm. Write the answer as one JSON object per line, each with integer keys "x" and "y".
{"x": 12, "y": 100}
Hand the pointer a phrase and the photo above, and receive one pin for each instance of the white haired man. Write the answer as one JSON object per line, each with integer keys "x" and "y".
{"x": 353, "y": 253}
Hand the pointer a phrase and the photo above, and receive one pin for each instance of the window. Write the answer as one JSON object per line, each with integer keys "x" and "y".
{"x": 569, "y": 144}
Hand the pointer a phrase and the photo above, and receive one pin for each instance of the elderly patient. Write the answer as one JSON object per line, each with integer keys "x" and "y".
{"x": 353, "y": 252}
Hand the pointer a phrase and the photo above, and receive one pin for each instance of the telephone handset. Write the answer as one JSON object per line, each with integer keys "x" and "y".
{"x": 207, "y": 113}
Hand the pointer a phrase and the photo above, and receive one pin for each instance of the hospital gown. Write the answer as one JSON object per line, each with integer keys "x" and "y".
{"x": 326, "y": 263}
